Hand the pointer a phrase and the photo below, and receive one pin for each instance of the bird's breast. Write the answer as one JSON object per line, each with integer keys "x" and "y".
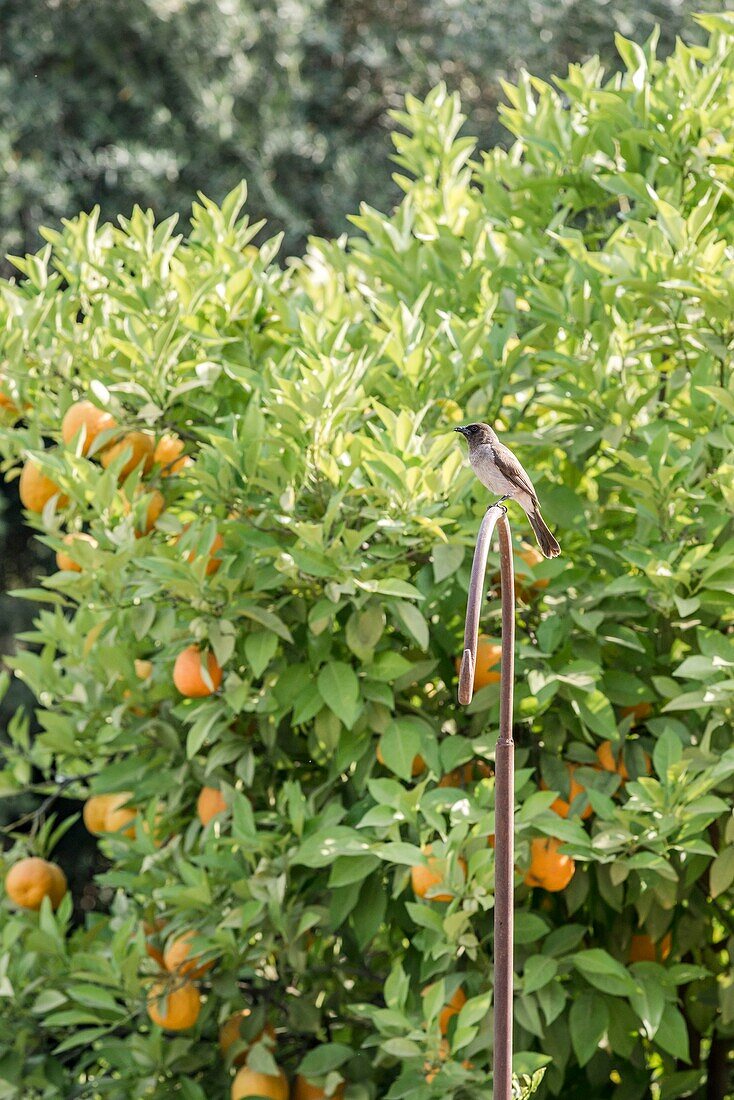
{"x": 483, "y": 465}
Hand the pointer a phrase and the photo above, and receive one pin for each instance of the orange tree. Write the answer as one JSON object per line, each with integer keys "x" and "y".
{"x": 278, "y": 534}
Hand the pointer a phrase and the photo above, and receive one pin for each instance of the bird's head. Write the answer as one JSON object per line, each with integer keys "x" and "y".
{"x": 475, "y": 434}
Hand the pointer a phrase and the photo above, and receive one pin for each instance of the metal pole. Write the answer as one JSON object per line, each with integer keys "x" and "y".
{"x": 504, "y": 828}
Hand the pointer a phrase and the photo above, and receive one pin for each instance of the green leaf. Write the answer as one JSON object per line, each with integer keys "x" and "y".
{"x": 243, "y": 819}
{"x": 414, "y": 623}
{"x": 348, "y": 869}
{"x": 322, "y": 849}
{"x": 564, "y": 939}
{"x": 260, "y": 649}
{"x": 388, "y": 666}
{"x": 402, "y": 1048}
{"x": 721, "y": 873}
{"x": 267, "y": 619}
{"x": 596, "y": 713}
{"x": 402, "y": 741}
{"x": 369, "y": 913}
{"x": 48, "y": 1000}
{"x": 528, "y": 927}
{"x": 201, "y": 729}
{"x": 324, "y": 1059}
{"x": 552, "y": 1000}
{"x": 81, "y": 1038}
{"x": 538, "y": 971}
{"x": 399, "y": 851}
{"x": 392, "y": 587}
{"x": 604, "y": 972}
{"x": 672, "y": 1033}
{"x": 667, "y": 752}
{"x": 364, "y": 630}
{"x": 446, "y": 558}
{"x": 339, "y": 688}
{"x": 588, "y": 1021}
{"x": 648, "y": 999}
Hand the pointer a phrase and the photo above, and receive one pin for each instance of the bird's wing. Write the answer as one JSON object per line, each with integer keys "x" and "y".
{"x": 510, "y": 468}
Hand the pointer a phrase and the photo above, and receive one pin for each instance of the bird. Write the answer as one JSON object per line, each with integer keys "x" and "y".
{"x": 496, "y": 467}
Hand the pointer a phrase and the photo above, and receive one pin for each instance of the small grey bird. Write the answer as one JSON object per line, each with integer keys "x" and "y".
{"x": 496, "y": 467}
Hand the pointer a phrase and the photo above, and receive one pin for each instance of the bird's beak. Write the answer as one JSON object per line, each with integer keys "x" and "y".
{"x": 461, "y": 431}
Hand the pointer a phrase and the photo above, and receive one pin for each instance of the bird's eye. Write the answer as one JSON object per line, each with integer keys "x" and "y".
{"x": 473, "y": 429}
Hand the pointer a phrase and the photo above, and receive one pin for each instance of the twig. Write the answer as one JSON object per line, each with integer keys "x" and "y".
{"x": 37, "y": 814}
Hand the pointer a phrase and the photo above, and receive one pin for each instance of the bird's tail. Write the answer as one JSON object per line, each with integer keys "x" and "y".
{"x": 546, "y": 541}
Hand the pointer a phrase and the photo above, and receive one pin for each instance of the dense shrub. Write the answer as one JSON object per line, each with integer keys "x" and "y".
{"x": 576, "y": 291}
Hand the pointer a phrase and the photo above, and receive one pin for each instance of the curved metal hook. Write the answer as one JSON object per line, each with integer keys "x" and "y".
{"x": 491, "y": 517}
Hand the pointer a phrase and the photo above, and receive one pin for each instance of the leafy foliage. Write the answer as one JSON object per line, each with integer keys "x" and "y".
{"x": 145, "y": 102}
{"x": 577, "y": 292}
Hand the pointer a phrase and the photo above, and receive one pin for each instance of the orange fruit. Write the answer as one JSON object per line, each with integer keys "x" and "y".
{"x": 249, "y": 1083}
{"x": 611, "y": 760}
{"x": 466, "y": 774}
{"x": 176, "y": 957}
{"x": 156, "y": 504}
{"x": 560, "y": 805}
{"x": 94, "y": 814}
{"x": 214, "y": 562}
{"x": 166, "y": 454}
{"x": 230, "y": 1033}
{"x": 209, "y": 803}
{"x": 120, "y": 815}
{"x": 644, "y": 949}
{"x": 59, "y": 885}
{"x": 304, "y": 1090}
{"x": 639, "y": 712}
{"x": 610, "y": 763}
{"x": 64, "y": 560}
{"x": 423, "y": 878}
{"x": 36, "y": 489}
{"x": 137, "y": 446}
{"x": 32, "y": 879}
{"x": 418, "y": 765}
{"x": 486, "y": 670}
{"x": 174, "y": 1008}
{"x": 187, "y": 673}
{"x": 548, "y": 868}
{"x": 88, "y": 418}
{"x": 143, "y": 669}
{"x": 108, "y": 813}
{"x": 453, "y": 1006}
